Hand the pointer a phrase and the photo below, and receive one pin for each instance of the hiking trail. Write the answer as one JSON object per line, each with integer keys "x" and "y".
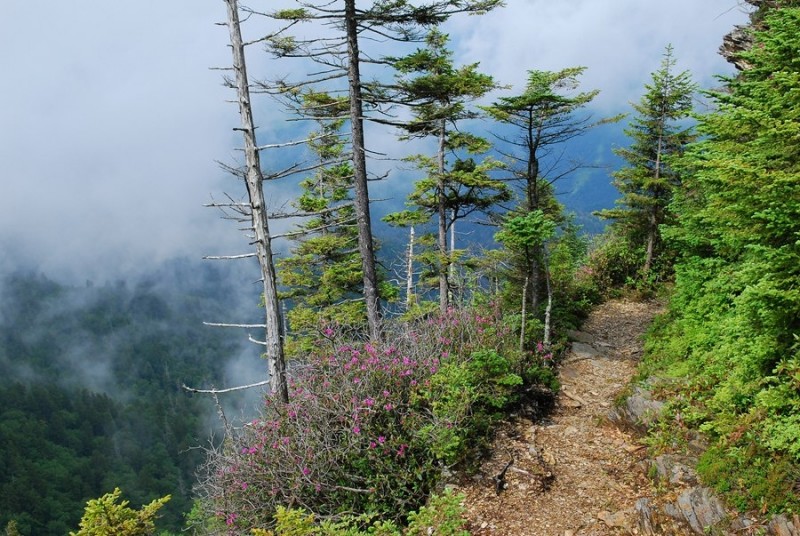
{"x": 573, "y": 473}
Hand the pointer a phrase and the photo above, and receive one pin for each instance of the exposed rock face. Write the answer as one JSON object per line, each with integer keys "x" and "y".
{"x": 639, "y": 411}
{"x": 701, "y": 509}
{"x": 581, "y": 350}
{"x": 580, "y": 336}
{"x": 741, "y": 38}
{"x": 781, "y": 526}
{"x": 736, "y": 42}
{"x": 644, "y": 517}
{"x": 676, "y": 469}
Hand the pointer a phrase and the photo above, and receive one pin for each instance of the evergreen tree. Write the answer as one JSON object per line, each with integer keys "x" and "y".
{"x": 438, "y": 94}
{"x": 106, "y": 517}
{"x": 658, "y": 131}
{"x": 341, "y": 57}
{"x": 322, "y": 276}
{"x": 548, "y": 113}
{"x": 732, "y": 332}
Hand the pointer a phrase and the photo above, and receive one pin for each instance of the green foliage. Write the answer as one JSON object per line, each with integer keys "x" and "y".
{"x": 368, "y": 426}
{"x": 323, "y": 274}
{"x": 465, "y": 398}
{"x": 11, "y": 528}
{"x": 614, "y": 262}
{"x": 455, "y": 185}
{"x": 442, "y": 516}
{"x": 90, "y": 391}
{"x": 547, "y": 113}
{"x": 647, "y": 183}
{"x": 529, "y": 230}
{"x": 291, "y": 14}
{"x": 492, "y": 376}
{"x": 731, "y": 334}
{"x": 106, "y": 517}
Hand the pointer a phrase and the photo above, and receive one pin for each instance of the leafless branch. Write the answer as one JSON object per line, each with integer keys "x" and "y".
{"x": 220, "y": 391}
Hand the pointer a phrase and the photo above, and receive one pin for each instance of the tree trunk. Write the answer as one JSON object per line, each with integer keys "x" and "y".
{"x": 524, "y": 313}
{"x": 651, "y": 241}
{"x": 410, "y": 270}
{"x": 263, "y": 242}
{"x": 532, "y": 255}
{"x": 361, "y": 202}
{"x": 452, "y": 268}
{"x": 444, "y": 256}
{"x": 549, "y": 308}
{"x": 652, "y": 231}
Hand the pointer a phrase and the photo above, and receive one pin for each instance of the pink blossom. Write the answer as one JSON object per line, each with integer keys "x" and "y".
{"x": 306, "y": 471}
{"x": 356, "y": 430}
{"x": 381, "y": 439}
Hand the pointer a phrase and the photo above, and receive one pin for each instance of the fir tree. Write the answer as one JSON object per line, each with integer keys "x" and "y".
{"x": 548, "y": 113}
{"x": 647, "y": 183}
{"x": 322, "y": 277}
{"x": 455, "y": 187}
{"x": 341, "y": 57}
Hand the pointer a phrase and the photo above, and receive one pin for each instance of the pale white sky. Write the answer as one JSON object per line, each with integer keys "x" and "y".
{"x": 111, "y": 120}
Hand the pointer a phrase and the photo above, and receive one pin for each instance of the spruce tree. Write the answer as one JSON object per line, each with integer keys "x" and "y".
{"x": 734, "y": 315}
{"x": 647, "y": 182}
{"x": 341, "y": 57}
{"x": 455, "y": 184}
{"x": 322, "y": 276}
{"x": 545, "y": 115}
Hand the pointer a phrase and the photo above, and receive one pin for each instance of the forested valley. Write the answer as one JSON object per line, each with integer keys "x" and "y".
{"x": 391, "y": 362}
{"x": 90, "y": 380}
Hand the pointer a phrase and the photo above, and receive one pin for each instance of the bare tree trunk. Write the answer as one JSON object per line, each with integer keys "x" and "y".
{"x": 444, "y": 255}
{"x": 651, "y": 241}
{"x": 652, "y": 231}
{"x": 263, "y": 241}
{"x": 524, "y": 313}
{"x": 452, "y": 268}
{"x": 410, "y": 270}
{"x": 549, "y": 308}
{"x": 365, "y": 243}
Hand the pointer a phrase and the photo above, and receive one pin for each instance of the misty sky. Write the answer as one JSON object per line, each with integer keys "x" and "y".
{"x": 111, "y": 120}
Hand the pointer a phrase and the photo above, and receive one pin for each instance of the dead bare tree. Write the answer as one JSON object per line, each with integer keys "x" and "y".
{"x": 257, "y": 210}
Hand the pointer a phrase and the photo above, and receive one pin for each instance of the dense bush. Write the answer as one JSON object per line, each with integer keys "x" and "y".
{"x": 731, "y": 338}
{"x": 368, "y": 428}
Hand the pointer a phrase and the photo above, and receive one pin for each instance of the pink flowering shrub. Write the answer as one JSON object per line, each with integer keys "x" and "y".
{"x": 368, "y": 427}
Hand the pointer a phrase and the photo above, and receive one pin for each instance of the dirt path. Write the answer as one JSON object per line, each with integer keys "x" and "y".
{"x": 574, "y": 474}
